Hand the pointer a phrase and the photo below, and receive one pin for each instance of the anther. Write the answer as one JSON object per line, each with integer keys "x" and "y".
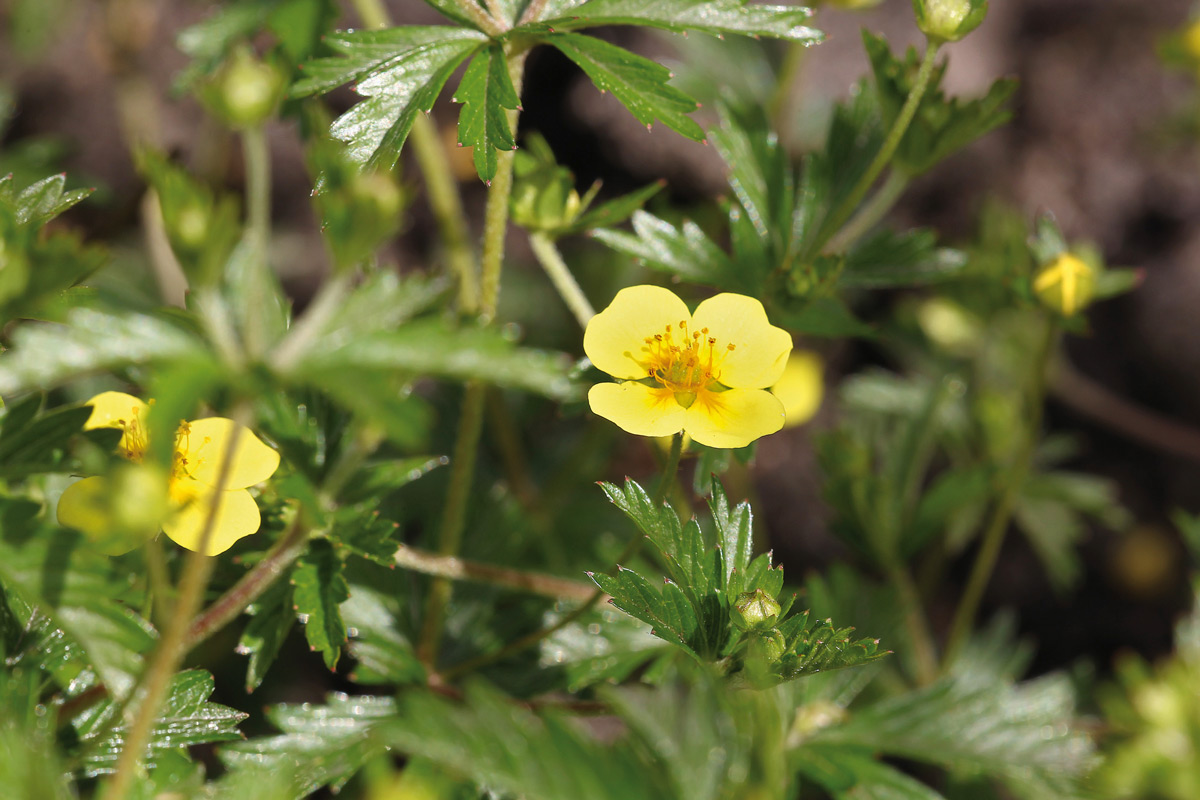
{"x": 712, "y": 340}
{"x": 730, "y": 347}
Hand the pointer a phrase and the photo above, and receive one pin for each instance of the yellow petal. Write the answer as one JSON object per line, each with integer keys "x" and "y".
{"x": 122, "y": 411}
{"x": 236, "y": 516}
{"x": 638, "y": 409}
{"x": 86, "y": 506}
{"x": 734, "y": 418}
{"x": 760, "y": 349}
{"x": 204, "y": 443}
{"x": 617, "y": 334}
{"x": 801, "y": 387}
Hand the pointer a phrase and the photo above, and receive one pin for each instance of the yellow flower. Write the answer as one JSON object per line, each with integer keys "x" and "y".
{"x": 704, "y": 373}
{"x": 1066, "y": 285}
{"x": 191, "y": 487}
{"x": 801, "y": 387}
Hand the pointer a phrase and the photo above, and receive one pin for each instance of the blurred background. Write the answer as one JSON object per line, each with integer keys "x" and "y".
{"x": 1104, "y": 137}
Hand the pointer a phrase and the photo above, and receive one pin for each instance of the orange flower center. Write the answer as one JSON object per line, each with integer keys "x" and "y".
{"x": 685, "y": 362}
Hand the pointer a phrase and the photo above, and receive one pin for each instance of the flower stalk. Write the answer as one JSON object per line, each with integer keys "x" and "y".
{"x": 560, "y": 275}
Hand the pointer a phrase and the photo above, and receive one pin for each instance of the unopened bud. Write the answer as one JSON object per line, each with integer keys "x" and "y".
{"x": 949, "y": 20}
{"x": 1066, "y": 285}
{"x": 757, "y": 609}
{"x": 246, "y": 90}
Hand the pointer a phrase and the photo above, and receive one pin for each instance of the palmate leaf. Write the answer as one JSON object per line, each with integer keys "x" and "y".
{"x": 889, "y": 259}
{"x": 708, "y": 16}
{"x": 272, "y": 618}
{"x": 603, "y": 646}
{"x": 37, "y": 204}
{"x": 400, "y": 72}
{"x": 686, "y": 251}
{"x": 319, "y": 588}
{"x": 639, "y": 83}
{"x": 848, "y": 774}
{"x": 186, "y": 718}
{"x": 319, "y": 746}
{"x": 485, "y": 92}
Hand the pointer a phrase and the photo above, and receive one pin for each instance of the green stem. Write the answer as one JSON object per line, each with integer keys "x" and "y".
{"x": 444, "y": 198}
{"x": 789, "y": 75}
{"x": 560, "y": 275}
{"x": 884, "y": 157}
{"x": 924, "y": 653}
{"x": 871, "y": 213}
{"x": 480, "y": 18}
{"x": 305, "y": 331}
{"x": 531, "y": 639}
{"x": 462, "y": 469}
{"x": 997, "y": 526}
{"x": 458, "y": 569}
{"x": 160, "y": 582}
{"x": 495, "y": 223}
{"x": 173, "y": 645}
{"x": 257, "y": 158}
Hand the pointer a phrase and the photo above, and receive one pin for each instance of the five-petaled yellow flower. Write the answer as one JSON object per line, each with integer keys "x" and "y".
{"x": 704, "y": 373}
{"x": 200, "y": 448}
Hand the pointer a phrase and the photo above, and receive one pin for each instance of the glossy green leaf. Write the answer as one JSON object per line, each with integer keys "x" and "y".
{"x": 639, "y": 83}
{"x": 603, "y": 646}
{"x": 37, "y": 204}
{"x": 319, "y": 588}
{"x": 686, "y": 251}
{"x": 888, "y": 259}
{"x": 382, "y": 649}
{"x": 717, "y": 17}
{"x": 486, "y": 91}
{"x": 614, "y": 212}
{"x": 272, "y": 618}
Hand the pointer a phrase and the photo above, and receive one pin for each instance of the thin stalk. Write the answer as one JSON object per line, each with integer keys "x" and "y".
{"x": 444, "y": 198}
{"x": 560, "y": 275}
{"x": 462, "y": 469}
{"x": 789, "y": 75}
{"x": 998, "y": 523}
{"x": 531, "y": 639}
{"x": 495, "y": 223}
{"x": 884, "y": 157}
{"x": 924, "y": 653}
{"x": 172, "y": 283}
{"x": 871, "y": 213}
{"x": 257, "y": 158}
{"x": 160, "y": 582}
{"x": 173, "y": 645}
{"x": 306, "y": 329}
{"x": 458, "y": 569}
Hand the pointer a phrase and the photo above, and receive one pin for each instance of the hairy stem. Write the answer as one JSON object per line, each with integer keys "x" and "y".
{"x": 173, "y": 645}
{"x": 884, "y": 157}
{"x": 458, "y": 569}
{"x": 529, "y": 640}
{"x": 258, "y": 229}
{"x": 560, "y": 275}
{"x": 997, "y": 525}
{"x": 444, "y": 198}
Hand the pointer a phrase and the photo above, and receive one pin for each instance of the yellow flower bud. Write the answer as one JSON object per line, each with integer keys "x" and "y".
{"x": 1066, "y": 285}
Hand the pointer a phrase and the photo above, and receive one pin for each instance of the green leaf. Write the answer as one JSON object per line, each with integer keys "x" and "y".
{"x": 400, "y": 72}
{"x": 708, "y": 16}
{"x": 41, "y": 202}
{"x": 888, "y": 259}
{"x": 826, "y": 316}
{"x": 686, "y": 251}
{"x": 89, "y": 342}
{"x": 613, "y": 212}
{"x": 272, "y": 618}
{"x": 319, "y": 588}
{"x": 603, "y": 646}
{"x": 320, "y": 745}
{"x": 434, "y": 348}
{"x": 498, "y": 744}
{"x": 29, "y": 446}
{"x": 668, "y": 612}
{"x": 186, "y": 718}
{"x": 486, "y": 91}
{"x": 850, "y": 775}
{"x": 383, "y": 650}
{"x": 72, "y": 597}
{"x": 639, "y": 83}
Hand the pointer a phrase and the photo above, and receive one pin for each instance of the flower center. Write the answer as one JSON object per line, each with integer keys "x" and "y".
{"x": 686, "y": 362}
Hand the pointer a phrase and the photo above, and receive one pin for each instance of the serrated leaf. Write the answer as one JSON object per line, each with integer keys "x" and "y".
{"x": 320, "y": 745}
{"x": 272, "y": 618}
{"x": 89, "y": 342}
{"x": 384, "y": 652}
{"x": 735, "y": 539}
{"x": 889, "y": 259}
{"x": 319, "y": 590}
{"x": 186, "y": 718}
{"x": 433, "y": 348}
{"x": 400, "y": 72}
{"x": 826, "y": 316}
{"x": 43, "y": 201}
{"x": 603, "y": 646}
{"x": 708, "y": 16}
{"x": 639, "y": 83}
{"x": 821, "y": 648}
{"x": 668, "y": 612}
{"x": 850, "y": 775}
{"x": 686, "y": 251}
{"x": 613, "y": 212}
{"x": 382, "y": 302}
{"x": 485, "y": 92}
{"x": 30, "y": 446}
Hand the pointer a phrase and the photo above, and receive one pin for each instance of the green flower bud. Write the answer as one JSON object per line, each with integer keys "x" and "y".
{"x": 853, "y": 5}
{"x": 545, "y": 200}
{"x": 757, "y": 610}
{"x": 245, "y": 90}
{"x": 1066, "y": 285}
{"x": 949, "y": 20}
{"x": 763, "y": 652}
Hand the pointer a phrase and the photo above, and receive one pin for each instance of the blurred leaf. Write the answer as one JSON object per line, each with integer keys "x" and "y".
{"x": 760, "y": 175}
{"x": 485, "y": 92}
{"x": 319, "y": 746}
{"x": 186, "y": 718}
{"x": 319, "y": 588}
{"x": 31, "y": 445}
{"x": 30, "y": 763}
{"x": 826, "y": 316}
{"x": 89, "y": 342}
{"x": 686, "y": 251}
{"x": 272, "y": 618}
{"x": 58, "y": 577}
{"x": 849, "y": 775}
{"x": 37, "y": 204}
{"x": 501, "y": 745}
{"x": 384, "y": 652}
{"x": 603, "y": 646}
{"x": 400, "y": 72}
{"x": 436, "y": 349}
{"x": 639, "y": 83}
{"x": 888, "y": 259}
{"x": 613, "y": 212}
{"x": 708, "y": 16}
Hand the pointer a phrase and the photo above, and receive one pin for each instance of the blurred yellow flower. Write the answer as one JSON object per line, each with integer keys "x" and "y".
{"x": 801, "y": 387}
{"x": 1066, "y": 285}
{"x": 704, "y": 373}
{"x": 191, "y": 487}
